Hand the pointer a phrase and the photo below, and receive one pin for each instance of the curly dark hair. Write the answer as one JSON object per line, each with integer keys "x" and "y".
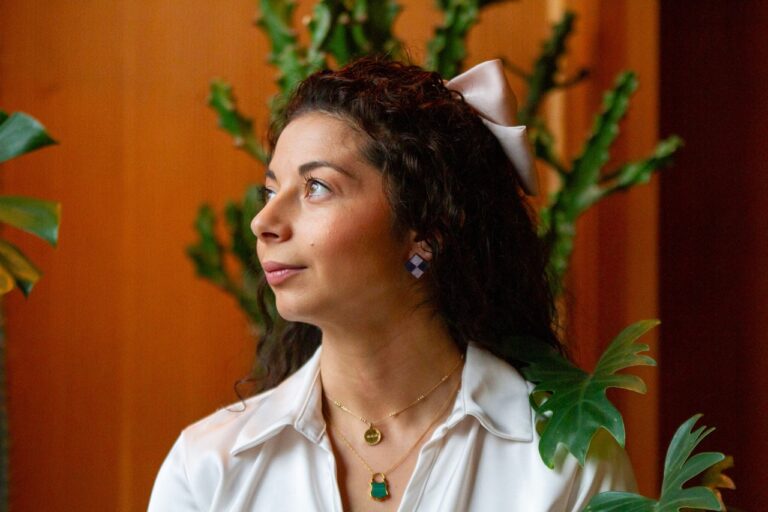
{"x": 448, "y": 179}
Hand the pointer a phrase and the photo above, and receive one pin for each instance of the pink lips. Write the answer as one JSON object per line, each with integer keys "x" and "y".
{"x": 276, "y": 272}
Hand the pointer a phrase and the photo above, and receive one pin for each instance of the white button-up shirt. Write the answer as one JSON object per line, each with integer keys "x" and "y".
{"x": 274, "y": 454}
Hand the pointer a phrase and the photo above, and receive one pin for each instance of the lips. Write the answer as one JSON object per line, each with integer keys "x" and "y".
{"x": 273, "y": 266}
{"x": 276, "y": 272}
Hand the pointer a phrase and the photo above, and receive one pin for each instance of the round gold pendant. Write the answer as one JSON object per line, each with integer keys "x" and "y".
{"x": 373, "y": 436}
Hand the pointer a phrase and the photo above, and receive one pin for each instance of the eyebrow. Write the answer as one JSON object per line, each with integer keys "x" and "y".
{"x": 314, "y": 164}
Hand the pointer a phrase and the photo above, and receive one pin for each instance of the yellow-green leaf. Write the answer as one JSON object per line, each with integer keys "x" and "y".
{"x": 715, "y": 479}
{"x": 6, "y": 281}
{"x": 34, "y": 216}
{"x": 23, "y": 272}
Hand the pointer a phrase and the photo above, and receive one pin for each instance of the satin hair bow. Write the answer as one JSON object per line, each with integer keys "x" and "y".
{"x": 485, "y": 88}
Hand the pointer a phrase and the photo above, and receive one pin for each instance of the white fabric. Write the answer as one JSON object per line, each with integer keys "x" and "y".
{"x": 275, "y": 455}
{"x": 486, "y": 89}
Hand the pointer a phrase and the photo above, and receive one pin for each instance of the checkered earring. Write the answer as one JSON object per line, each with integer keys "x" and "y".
{"x": 416, "y": 265}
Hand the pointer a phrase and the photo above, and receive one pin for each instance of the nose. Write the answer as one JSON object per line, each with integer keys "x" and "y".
{"x": 271, "y": 224}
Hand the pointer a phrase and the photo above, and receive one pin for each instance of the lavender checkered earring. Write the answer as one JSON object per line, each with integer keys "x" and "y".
{"x": 416, "y": 265}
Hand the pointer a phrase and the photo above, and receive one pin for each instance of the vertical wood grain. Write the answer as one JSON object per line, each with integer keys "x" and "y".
{"x": 613, "y": 280}
{"x": 714, "y": 233}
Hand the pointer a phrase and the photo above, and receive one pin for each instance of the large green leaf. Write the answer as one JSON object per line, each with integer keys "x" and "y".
{"x": 679, "y": 467}
{"x": 35, "y": 216}
{"x": 22, "y": 271}
{"x": 572, "y": 403}
{"x": 21, "y": 134}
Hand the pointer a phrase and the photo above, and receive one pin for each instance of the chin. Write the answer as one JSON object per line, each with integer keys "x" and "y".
{"x": 294, "y": 311}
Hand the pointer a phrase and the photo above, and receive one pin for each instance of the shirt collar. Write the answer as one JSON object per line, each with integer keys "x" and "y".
{"x": 491, "y": 391}
{"x": 496, "y": 394}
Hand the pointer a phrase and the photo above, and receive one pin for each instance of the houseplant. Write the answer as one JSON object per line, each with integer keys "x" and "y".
{"x": 19, "y": 134}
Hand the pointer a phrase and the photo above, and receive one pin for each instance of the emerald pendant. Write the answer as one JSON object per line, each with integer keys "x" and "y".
{"x": 379, "y": 489}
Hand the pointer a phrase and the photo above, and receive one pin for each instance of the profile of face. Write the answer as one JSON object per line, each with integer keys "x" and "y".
{"x": 327, "y": 217}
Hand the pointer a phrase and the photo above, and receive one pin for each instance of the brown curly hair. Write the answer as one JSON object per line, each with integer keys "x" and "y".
{"x": 448, "y": 179}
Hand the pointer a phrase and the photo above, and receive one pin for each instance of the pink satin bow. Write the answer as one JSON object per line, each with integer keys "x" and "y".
{"x": 485, "y": 88}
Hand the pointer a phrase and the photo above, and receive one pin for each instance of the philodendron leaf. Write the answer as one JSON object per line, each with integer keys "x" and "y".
{"x": 21, "y": 134}
{"x": 573, "y": 404}
{"x": 715, "y": 479}
{"x": 679, "y": 467}
{"x": 35, "y": 216}
{"x": 23, "y": 272}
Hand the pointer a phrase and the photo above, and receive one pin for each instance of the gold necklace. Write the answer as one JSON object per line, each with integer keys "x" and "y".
{"x": 373, "y": 435}
{"x": 379, "y": 486}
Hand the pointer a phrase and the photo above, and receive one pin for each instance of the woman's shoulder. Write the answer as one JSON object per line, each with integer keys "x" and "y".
{"x": 250, "y": 421}
{"x": 219, "y": 429}
{"x": 490, "y": 369}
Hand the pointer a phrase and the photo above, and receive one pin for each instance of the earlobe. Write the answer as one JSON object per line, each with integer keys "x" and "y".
{"x": 424, "y": 250}
{"x": 420, "y": 247}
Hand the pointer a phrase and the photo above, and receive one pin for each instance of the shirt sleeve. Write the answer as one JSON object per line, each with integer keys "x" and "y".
{"x": 172, "y": 491}
{"x": 607, "y": 468}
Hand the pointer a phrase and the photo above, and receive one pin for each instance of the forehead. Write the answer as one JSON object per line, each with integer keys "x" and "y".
{"x": 317, "y": 136}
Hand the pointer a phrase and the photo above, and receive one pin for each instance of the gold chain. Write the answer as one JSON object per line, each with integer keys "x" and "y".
{"x": 399, "y": 411}
{"x": 408, "y": 453}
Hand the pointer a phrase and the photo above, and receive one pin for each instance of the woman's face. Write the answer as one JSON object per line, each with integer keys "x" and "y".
{"x": 328, "y": 217}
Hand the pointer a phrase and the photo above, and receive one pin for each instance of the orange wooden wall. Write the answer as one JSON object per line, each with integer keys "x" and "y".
{"x": 614, "y": 269}
{"x": 120, "y": 345}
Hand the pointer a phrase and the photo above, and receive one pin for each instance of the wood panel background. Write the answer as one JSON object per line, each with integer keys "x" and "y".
{"x": 120, "y": 345}
{"x": 714, "y": 233}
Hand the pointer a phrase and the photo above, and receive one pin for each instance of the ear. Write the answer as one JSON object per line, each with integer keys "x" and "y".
{"x": 420, "y": 247}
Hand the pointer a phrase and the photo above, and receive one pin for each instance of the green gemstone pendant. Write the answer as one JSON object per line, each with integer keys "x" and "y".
{"x": 379, "y": 489}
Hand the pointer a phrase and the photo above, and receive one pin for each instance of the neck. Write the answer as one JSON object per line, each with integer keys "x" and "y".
{"x": 374, "y": 368}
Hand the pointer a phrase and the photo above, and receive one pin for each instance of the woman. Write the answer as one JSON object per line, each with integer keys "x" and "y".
{"x": 395, "y": 232}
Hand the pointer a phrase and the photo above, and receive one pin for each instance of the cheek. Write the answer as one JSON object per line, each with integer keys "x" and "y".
{"x": 357, "y": 241}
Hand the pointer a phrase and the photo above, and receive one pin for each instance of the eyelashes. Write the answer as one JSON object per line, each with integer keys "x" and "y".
{"x": 312, "y": 188}
{"x": 313, "y": 184}
{"x": 265, "y": 193}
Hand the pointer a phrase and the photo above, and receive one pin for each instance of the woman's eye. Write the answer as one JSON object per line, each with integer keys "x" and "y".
{"x": 316, "y": 188}
{"x": 267, "y": 194}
